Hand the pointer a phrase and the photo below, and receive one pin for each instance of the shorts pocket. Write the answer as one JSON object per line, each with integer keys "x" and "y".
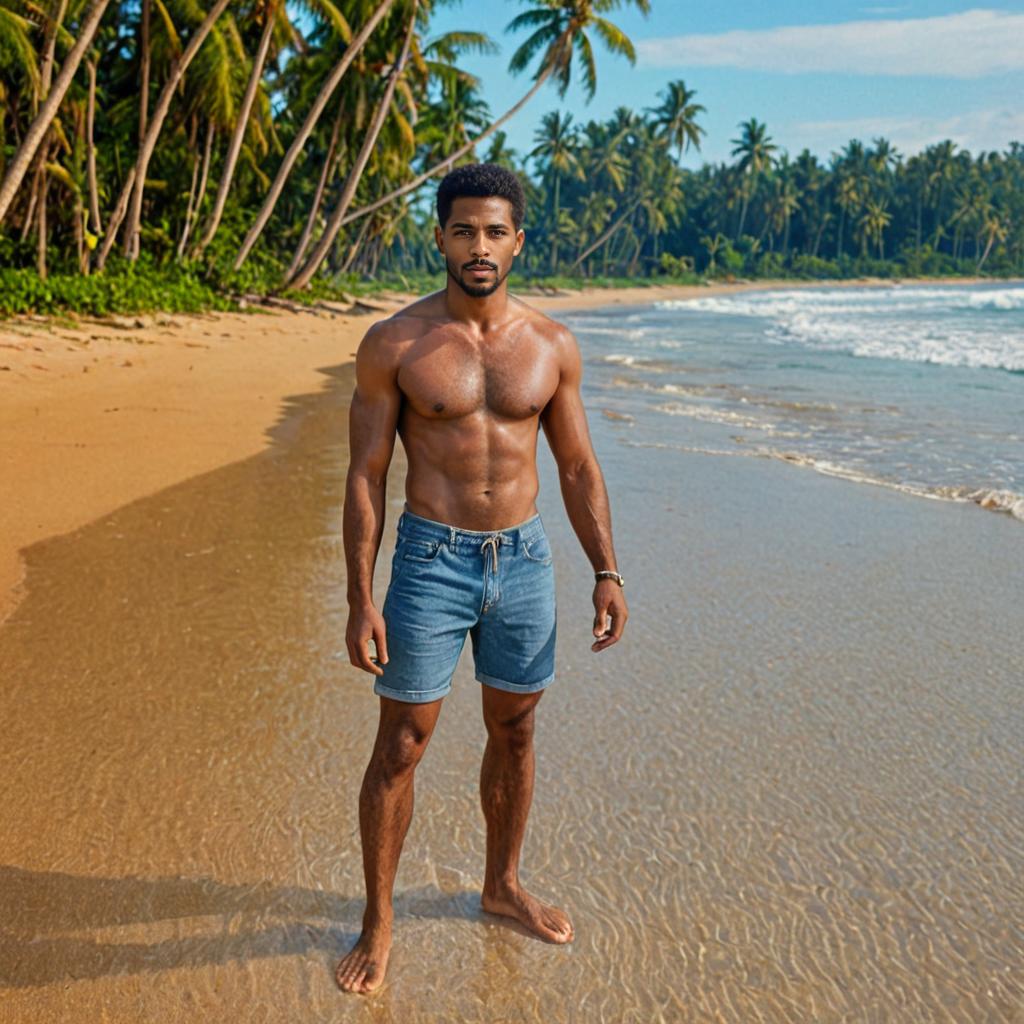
{"x": 538, "y": 550}
{"x": 420, "y": 550}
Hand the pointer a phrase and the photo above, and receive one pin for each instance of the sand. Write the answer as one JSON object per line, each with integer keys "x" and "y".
{"x": 98, "y": 415}
{"x": 791, "y": 794}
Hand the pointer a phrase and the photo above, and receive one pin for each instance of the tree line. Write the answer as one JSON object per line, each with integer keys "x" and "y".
{"x": 272, "y": 145}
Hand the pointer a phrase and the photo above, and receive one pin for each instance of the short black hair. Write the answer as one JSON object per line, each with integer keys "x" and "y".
{"x": 480, "y": 180}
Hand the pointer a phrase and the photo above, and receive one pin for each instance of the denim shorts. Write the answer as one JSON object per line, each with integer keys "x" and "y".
{"x": 499, "y": 586}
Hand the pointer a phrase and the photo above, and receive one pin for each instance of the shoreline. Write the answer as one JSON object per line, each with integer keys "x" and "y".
{"x": 100, "y": 414}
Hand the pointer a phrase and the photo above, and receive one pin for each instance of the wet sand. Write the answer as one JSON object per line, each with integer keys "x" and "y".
{"x": 793, "y": 795}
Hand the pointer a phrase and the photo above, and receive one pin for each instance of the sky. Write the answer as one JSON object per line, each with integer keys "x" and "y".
{"x": 817, "y": 75}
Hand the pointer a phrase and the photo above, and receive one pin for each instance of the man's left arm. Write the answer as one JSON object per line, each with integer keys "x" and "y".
{"x": 583, "y": 490}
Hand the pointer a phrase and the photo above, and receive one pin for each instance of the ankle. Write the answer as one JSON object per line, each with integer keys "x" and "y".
{"x": 504, "y": 885}
{"x": 377, "y": 920}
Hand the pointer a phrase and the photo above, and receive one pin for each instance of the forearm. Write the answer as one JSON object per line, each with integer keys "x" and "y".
{"x": 586, "y": 503}
{"x": 362, "y": 528}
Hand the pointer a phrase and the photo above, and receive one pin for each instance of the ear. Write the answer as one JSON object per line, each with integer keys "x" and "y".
{"x": 439, "y": 238}
{"x": 520, "y": 241}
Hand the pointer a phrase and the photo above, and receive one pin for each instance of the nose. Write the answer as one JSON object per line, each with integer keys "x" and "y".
{"x": 479, "y": 247}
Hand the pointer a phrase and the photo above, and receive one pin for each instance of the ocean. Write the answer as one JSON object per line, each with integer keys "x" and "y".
{"x": 914, "y": 387}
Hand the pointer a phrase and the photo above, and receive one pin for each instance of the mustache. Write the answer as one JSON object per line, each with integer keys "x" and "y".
{"x": 480, "y": 263}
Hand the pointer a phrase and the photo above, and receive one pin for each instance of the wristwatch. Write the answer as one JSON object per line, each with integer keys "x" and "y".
{"x": 609, "y": 574}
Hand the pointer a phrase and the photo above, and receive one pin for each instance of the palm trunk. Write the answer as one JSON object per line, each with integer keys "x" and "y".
{"x": 839, "y": 235}
{"x": 41, "y": 124}
{"x": 451, "y": 158}
{"x": 354, "y": 250}
{"x": 988, "y": 249}
{"x": 94, "y": 194}
{"x": 50, "y": 46}
{"x": 195, "y": 196}
{"x": 135, "y": 187}
{"x": 314, "y": 209}
{"x": 235, "y": 146}
{"x": 605, "y": 237}
{"x": 41, "y": 227}
{"x": 145, "y": 60}
{"x": 554, "y": 237}
{"x": 323, "y": 246}
{"x": 299, "y": 142}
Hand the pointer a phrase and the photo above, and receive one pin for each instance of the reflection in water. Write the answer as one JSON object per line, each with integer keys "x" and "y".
{"x": 792, "y": 795}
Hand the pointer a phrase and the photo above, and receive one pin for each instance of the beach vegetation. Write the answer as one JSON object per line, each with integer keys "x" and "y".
{"x": 178, "y": 156}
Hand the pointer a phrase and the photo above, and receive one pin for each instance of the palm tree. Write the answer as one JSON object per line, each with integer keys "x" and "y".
{"x": 135, "y": 184}
{"x": 677, "y": 117}
{"x": 302, "y": 136}
{"x": 41, "y": 124}
{"x": 273, "y": 14}
{"x": 754, "y": 147}
{"x": 556, "y": 146}
{"x": 303, "y": 276}
{"x": 560, "y": 33}
{"x": 873, "y": 223}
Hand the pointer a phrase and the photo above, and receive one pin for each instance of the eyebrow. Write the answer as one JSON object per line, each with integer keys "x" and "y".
{"x": 463, "y": 224}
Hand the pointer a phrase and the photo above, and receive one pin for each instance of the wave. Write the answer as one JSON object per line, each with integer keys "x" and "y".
{"x": 993, "y": 499}
{"x": 904, "y": 298}
{"x": 911, "y": 324}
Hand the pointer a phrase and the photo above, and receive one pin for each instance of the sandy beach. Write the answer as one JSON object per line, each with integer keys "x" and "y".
{"x": 793, "y": 795}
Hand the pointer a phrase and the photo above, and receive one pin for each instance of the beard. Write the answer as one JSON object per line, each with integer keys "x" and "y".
{"x": 476, "y": 291}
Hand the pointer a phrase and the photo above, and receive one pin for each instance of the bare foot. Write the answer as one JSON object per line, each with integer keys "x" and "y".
{"x": 362, "y": 970}
{"x": 550, "y": 923}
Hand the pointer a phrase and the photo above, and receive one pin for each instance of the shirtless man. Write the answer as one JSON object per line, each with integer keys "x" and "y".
{"x": 466, "y": 377}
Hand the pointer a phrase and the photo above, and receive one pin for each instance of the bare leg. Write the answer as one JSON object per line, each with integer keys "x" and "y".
{"x": 385, "y": 810}
{"x": 506, "y": 790}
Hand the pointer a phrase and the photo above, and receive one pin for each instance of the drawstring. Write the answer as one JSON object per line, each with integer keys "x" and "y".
{"x": 492, "y": 542}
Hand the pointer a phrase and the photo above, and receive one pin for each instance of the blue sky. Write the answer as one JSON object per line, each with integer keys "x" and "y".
{"x": 915, "y": 72}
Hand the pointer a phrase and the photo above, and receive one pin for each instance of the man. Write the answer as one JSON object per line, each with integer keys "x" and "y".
{"x": 466, "y": 376}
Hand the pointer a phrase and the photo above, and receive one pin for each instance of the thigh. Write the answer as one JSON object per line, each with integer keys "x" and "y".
{"x": 514, "y": 641}
{"x": 429, "y": 608}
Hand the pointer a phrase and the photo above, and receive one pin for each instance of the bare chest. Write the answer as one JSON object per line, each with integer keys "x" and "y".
{"x": 447, "y": 378}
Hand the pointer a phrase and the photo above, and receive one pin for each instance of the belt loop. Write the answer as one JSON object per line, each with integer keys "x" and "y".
{"x": 451, "y": 538}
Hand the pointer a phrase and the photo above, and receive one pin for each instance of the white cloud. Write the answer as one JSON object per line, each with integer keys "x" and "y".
{"x": 976, "y": 130}
{"x": 966, "y": 45}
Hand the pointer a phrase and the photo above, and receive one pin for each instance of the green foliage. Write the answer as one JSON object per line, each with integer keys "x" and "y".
{"x": 121, "y": 289}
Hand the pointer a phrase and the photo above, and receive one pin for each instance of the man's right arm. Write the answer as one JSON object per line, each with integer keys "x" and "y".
{"x": 373, "y": 421}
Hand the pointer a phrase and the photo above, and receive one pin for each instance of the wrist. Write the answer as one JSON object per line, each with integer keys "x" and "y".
{"x": 609, "y": 574}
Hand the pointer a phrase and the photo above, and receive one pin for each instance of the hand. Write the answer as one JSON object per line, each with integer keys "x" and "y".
{"x": 611, "y": 614}
{"x": 365, "y": 623}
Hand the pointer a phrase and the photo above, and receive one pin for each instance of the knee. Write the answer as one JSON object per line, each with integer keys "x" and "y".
{"x": 515, "y": 733}
{"x": 398, "y": 753}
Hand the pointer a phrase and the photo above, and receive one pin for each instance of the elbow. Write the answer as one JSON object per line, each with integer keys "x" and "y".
{"x": 573, "y": 471}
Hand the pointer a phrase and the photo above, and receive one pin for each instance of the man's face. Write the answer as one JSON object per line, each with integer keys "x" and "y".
{"x": 479, "y": 243}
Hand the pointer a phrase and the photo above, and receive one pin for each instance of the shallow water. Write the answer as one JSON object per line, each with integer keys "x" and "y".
{"x": 915, "y": 388}
{"x": 794, "y": 794}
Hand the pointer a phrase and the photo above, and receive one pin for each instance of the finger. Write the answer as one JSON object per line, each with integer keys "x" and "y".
{"x": 365, "y": 663}
{"x": 606, "y": 641}
{"x": 601, "y": 622}
{"x": 381, "y": 640}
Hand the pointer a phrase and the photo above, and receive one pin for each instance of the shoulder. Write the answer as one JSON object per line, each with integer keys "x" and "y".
{"x": 386, "y": 340}
{"x": 559, "y": 337}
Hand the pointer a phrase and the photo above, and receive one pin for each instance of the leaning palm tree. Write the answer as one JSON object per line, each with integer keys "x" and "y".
{"x": 302, "y": 277}
{"x": 135, "y": 184}
{"x": 677, "y": 117}
{"x": 274, "y": 15}
{"x": 308, "y": 125}
{"x": 560, "y": 33}
{"x": 41, "y": 124}
{"x": 754, "y": 147}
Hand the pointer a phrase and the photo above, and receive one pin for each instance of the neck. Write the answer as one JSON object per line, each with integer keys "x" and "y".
{"x": 482, "y": 311}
